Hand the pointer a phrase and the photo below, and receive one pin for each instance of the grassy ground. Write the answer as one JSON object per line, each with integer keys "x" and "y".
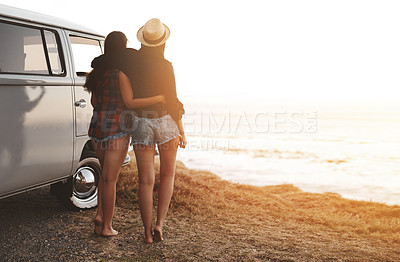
{"x": 209, "y": 220}
{"x": 212, "y": 219}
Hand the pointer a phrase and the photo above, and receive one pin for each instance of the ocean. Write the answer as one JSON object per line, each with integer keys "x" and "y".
{"x": 349, "y": 148}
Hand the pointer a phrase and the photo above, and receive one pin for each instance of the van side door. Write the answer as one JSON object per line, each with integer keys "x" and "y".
{"x": 84, "y": 48}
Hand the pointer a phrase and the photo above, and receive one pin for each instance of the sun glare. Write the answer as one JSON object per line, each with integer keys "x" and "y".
{"x": 295, "y": 50}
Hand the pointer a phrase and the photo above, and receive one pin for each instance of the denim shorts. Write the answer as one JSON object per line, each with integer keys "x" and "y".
{"x": 150, "y": 131}
{"x": 111, "y": 137}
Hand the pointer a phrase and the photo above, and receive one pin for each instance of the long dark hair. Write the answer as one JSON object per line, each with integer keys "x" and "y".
{"x": 114, "y": 43}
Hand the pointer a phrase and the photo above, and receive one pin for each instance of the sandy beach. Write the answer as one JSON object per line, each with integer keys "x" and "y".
{"x": 210, "y": 220}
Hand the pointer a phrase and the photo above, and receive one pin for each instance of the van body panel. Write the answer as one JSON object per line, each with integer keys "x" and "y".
{"x": 36, "y": 120}
{"x": 42, "y": 129}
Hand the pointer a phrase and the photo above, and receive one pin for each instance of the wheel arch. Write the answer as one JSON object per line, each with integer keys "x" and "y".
{"x": 87, "y": 167}
{"x": 87, "y": 150}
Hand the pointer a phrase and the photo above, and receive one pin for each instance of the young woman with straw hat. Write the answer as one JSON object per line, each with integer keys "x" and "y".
{"x": 165, "y": 123}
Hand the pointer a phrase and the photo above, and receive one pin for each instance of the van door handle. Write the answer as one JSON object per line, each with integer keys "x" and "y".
{"x": 81, "y": 103}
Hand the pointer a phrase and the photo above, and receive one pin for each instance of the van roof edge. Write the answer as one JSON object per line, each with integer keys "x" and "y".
{"x": 30, "y": 16}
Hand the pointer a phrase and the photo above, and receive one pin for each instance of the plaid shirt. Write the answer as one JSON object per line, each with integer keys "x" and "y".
{"x": 110, "y": 115}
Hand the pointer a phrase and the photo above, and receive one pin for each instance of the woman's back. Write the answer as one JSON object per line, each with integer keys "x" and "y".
{"x": 153, "y": 76}
{"x": 107, "y": 92}
{"x": 109, "y": 107}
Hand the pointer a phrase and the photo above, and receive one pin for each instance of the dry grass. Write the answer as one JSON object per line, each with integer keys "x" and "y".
{"x": 278, "y": 223}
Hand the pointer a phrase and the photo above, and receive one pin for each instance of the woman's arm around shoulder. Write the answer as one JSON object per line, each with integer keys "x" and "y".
{"x": 127, "y": 94}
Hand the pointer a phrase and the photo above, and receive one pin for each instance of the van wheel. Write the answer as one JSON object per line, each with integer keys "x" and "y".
{"x": 84, "y": 183}
{"x": 80, "y": 190}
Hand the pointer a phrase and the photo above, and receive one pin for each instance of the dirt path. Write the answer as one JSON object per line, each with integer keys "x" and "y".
{"x": 35, "y": 227}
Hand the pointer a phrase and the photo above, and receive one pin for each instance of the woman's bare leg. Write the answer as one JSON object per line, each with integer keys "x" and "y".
{"x": 98, "y": 220}
{"x": 167, "y": 173}
{"x": 114, "y": 157}
{"x": 145, "y": 163}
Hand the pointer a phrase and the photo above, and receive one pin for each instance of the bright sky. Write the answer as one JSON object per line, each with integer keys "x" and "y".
{"x": 263, "y": 49}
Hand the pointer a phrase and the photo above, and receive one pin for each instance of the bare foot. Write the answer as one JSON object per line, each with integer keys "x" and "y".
{"x": 109, "y": 233}
{"x": 98, "y": 226}
{"x": 158, "y": 234}
{"x": 148, "y": 237}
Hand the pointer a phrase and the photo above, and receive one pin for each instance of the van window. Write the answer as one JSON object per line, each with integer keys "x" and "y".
{"x": 84, "y": 50}
{"x": 22, "y": 51}
{"x": 54, "y": 55}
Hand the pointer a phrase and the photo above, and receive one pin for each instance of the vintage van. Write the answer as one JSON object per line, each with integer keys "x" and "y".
{"x": 44, "y": 109}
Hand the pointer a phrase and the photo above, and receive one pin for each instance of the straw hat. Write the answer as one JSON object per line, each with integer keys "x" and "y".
{"x": 153, "y": 33}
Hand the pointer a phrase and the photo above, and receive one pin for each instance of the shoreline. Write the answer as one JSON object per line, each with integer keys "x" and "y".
{"x": 254, "y": 176}
{"x": 305, "y": 188}
{"x": 331, "y": 151}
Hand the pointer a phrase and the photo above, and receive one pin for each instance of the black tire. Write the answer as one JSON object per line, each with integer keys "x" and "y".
{"x": 80, "y": 190}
